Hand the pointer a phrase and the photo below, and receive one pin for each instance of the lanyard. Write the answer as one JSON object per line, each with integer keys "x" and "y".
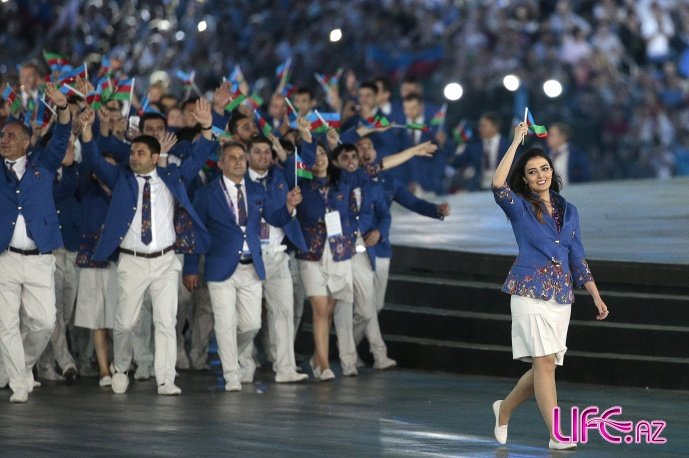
{"x": 229, "y": 199}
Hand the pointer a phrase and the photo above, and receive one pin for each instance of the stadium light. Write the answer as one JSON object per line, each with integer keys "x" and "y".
{"x": 453, "y": 91}
{"x": 552, "y": 88}
{"x": 179, "y": 35}
{"x": 164, "y": 25}
{"x": 202, "y": 26}
{"x": 335, "y": 35}
{"x": 511, "y": 82}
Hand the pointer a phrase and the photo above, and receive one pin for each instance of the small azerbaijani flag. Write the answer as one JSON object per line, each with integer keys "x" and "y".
{"x": 146, "y": 108}
{"x": 237, "y": 98}
{"x": 302, "y": 170}
{"x": 263, "y": 126}
{"x": 93, "y": 98}
{"x": 417, "y": 126}
{"x": 15, "y": 103}
{"x": 220, "y": 134}
{"x": 462, "y": 133}
{"x": 255, "y": 101}
{"x": 540, "y": 131}
{"x": 123, "y": 90}
{"x": 105, "y": 66}
{"x": 377, "y": 121}
{"x": 55, "y": 61}
{"x": 282, "y": 72}
{"x": 236, "y": 77}
{"x": 71, "y": 76}
{"x": 187, "y": 79}
{"x": 41, "y": 119}
{"x": 106, "y": 88}
{"x": 439, "y": 117}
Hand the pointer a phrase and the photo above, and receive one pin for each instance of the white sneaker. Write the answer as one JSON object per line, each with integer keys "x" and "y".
{"x": 143, "y": 372}
{"x": 349, "y": 370}
{"x": 290, "y": 377}
{"x": 30, "y": 382}
{"x": 316, "y": 370}
{"x": 19, "y": 397}
{"x": 327, "y": 375}
{"x": 105, "y": 381}
{"x": 169, "y": 389}
{"x": 232, "y": 384}
{"x": 119, "y": 383}
{"x": 552, "y": 445}
{"x": 248, "y": 372}
{"x": 384, "y": 363}
{"x": 499, "y": 431}
{"x": 49, "y": 373}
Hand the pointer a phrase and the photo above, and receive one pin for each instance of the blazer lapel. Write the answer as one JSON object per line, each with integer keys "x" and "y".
{"x": 221, "y": 202}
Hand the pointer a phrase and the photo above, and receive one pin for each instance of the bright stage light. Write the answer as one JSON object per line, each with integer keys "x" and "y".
{"x": 335, "y": 35}
{"x": 511, "y": 82}
{"x": 202, "y": 26}
{"x": 453, "y": 91}
{"x": 552, "y": 88}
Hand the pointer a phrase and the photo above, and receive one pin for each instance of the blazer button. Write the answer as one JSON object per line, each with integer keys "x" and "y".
{"x": 121, "y": 238}
{"x": 18, "y": 191}
{"x": 239, "y": 252}
{"x": 557, "y": 241}
{"x": 134, "y": 208}
{"x": 19, "y": 207}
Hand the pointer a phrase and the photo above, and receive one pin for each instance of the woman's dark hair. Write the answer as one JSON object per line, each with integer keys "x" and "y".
{"x": 518, "y": 185}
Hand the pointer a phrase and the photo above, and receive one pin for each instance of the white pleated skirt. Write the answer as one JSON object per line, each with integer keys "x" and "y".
{"x": 539, "y": 328}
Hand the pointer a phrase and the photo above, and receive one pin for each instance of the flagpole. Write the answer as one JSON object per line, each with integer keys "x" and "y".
{"x": 289, "y": 104}
{"x": 47, "y": 106}
{"x": 86, "y": 71}
{"x": 322, "y": 82}
{"x": 70, "y": 88}
{"x": 443, "y": 110}
{"x": 131, "y": 99}
{"x": 526, "y": 112}
{"x": 296, "y": 165}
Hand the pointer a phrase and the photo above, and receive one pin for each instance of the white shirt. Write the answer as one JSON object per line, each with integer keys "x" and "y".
{"x": 490, "y": 146}
{"x": 162, "y": 217}
{"x": 232, "y": 192}
{"x": 275, "y": 234}
{"x": 386, "y": 108}
{"x": 560, "y": 158}
{"x": 416, "y": 132}
{"x": 20, "y": 236}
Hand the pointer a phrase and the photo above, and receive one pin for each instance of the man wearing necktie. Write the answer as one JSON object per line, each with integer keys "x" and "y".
{"x": 150, "y": 216}
{"x": 278, "y": 290}
{"x": 231, "y": 207}
{"x": 29, "y": 232}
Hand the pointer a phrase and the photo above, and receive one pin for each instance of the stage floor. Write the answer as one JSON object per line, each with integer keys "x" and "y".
{"x": 635, "y": 221}
{"x": 395, "y": 413}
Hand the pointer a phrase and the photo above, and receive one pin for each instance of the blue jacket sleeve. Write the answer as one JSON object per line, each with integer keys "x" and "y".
{"x": 115, "y": 147}
{"x": 220, "y": 120}
{"x": 191, "y": 261}
{"x": 52, "y": 155}
{"x": 511, "y": 203}
{"x": 200, "y": 151}
{"x": 93, "y": 160}
{"x": 382, "y": 213}
{"x": 350, "y": 136}
{"x": 67, "y": 186}
{"x": 409, "y": 201}
{"x": 581, "y": 273}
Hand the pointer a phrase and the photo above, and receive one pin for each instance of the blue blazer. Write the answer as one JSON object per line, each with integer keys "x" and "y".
{"x": 428, "y": 172}
{"x": 33, "y": 195}
{"x": 226, "y": 237}
{"x": 578, "y": 166}
{"x": 192, "y": 236}
{"x": 374, "y": 213}
{"x": 277, "y": 187}
{"x": 473, "y": 157}
{"x": 549, "y": 263}
{"x": 395, "y": 190}
{"x": 68, "y": 211}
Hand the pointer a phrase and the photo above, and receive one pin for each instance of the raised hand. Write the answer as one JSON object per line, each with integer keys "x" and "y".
{"x": 86, "y": 119}
{"x": 202, "y": 113}
{"x": 520, "y": 131}
{"x": 57, "y": 97}
{"x": 293, "y": 199}
{"x": 222, "y": 97}
{"x": 425, "y": 149}
{"x": 167, "y": 142}
{"x": 304, "y": 127}
{"x": 333, "y": 138}
{"x": 277, "y": 147}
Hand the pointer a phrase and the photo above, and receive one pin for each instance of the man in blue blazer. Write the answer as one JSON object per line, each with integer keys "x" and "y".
{"x": 278, "y": 290}
{"x": 477, "y": 163}
{"x": 231, "y": 207}
{"x": 29, "y": 232}
{"x": 150, "y": 216}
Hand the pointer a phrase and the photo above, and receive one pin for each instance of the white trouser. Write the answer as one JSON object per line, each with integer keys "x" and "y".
{"x": 236, "y": 306}
{"x": 299, "y": 294}
{"x": 27, "y": 305}
{"x": 195, "y": 308}
{"x": 159, "y": 275}
{"x": 142, "y": 337}
{"x": 66, "y": 286}
{"x": 365, "y": 306}
{"x": 278, "y": 293}
{"x": 380, "y": 281}
{"x": 342, "y": 320}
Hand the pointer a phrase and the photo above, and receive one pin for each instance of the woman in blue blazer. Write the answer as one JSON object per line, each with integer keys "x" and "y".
{"x": 549, "y": 264}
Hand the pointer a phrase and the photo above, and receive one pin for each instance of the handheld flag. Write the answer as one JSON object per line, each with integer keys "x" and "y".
{"x": 301, "y": 169}
{"x": 439, "y": 117}
{"x": 462, "y": 133}
{"x": 377, "y": 121}
{"x": 123, "y": 90}
{"x": 263, "y": 126}
{"x": 10, "y": 96}
{"x": 540, "y": 131}
{"x": 55, "y": 61}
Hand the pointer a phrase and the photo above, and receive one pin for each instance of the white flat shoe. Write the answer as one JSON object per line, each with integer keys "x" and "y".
{"x": 499, "y": 431}
{"x": 552, "y": 445}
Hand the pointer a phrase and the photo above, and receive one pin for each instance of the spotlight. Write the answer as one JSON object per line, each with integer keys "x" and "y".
{"x": 453, "y": 91}
{"x": 335, "y": 35}
{"x": 202, "y": 26}
{"x": 511, "y": 82}
{"x": 552, "y": 88}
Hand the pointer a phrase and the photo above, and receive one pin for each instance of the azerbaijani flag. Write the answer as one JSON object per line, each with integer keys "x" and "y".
{"x": 416, "y": 126}
{"x": 283, "y": 70}
{"x": 439, "y": 117}
{"x": 10, "y": 96}
{"x": 55, "y": 61}
{"x": 236, "y": 77}
{"x": 255, "y": 101}
{"x": 71, "y": 76}
{"x": 187, "y": 79}
{"x": 220, "y": 133}
{"x": 262, "y": 124}
{"x": 146, "y": 107}
{"x": 105, "y": 66}
{"x": 123, "y": 90}
{"x": 106, "y": 88}
{"x": 237, "y": 98}
{"x": 289, "y": 90}
{"x": 462, "y": 133}
{"x": 93, "y": 98}
{"x": 302, "y": 170}
{"x": 540, "y": 131}
{"x": 41, "y": 119}
{"x": 377, "y": 121}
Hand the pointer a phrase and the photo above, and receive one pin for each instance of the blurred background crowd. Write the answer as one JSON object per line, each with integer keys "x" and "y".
{"x": 623, "y": 64}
